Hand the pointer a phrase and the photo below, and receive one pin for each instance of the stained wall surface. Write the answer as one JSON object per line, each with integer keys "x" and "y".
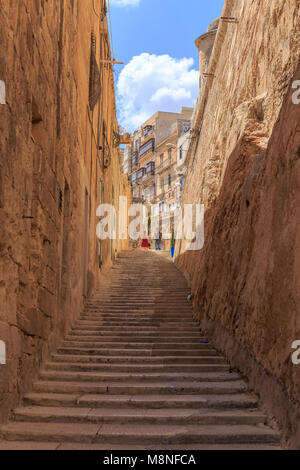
{"x": 244, "y": 166}
{"x": 58, "y": 161}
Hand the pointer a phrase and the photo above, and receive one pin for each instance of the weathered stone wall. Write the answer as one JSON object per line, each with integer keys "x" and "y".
{"x": 244, "y": 166}
{"x": 50, "y": 172}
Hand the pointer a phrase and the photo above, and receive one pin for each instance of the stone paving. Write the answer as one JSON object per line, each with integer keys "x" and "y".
{"x": 135, "y": 372}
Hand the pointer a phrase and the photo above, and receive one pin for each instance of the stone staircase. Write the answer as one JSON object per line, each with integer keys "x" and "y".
{"x": 135, "y": 373}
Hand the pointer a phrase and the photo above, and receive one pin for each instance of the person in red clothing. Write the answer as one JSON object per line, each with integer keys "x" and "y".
{"x": 145, "y": 243}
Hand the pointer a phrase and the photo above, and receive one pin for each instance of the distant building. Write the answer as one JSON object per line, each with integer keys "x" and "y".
{"x": 155, "y": 159}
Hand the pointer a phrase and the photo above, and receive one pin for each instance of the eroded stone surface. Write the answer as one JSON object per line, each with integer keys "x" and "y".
{"x": 50, "y": 170}
{"x": 245, "y": 169}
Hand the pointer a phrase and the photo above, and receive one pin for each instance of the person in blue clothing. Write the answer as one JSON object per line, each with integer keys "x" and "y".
{"x": 158, "y": 242}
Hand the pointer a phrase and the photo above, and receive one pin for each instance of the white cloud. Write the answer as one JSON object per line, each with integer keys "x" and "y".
{"x": 125, "y": 3}
{"x": 151, "y": 83}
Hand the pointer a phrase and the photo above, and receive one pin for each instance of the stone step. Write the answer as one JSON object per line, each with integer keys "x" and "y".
{"x": 135, "y": 416}
{"x": 175, "y": 302}
{"x": 123, "y": 309}
{"x": 88, "y": 326}
{"x": 31, "y": 445}
{"x": 136, "y": 387}
{"x": 154, "y": 289}
{"x": 121, "y": 314}
{"x": 157, "y": 297}
{"x": 153, "y": 322}
{"x": 138, "y": 322}
{"x": 157, "y": 345}
{"x": 136, "y": 372}
{"x": 158, "y": 294}
{"x": 133, "y": 360}
{"x": 143, "y": 303}
{"x": 154, "y": 330}
{"x": 93, "y": 376}
{"x": 223, "y": 402}
{"x": 145, "y": 352}
{"x": 139, "y": 434}
{"x": 181, "y": 300}
{"x": 138, "y": 368}
{"x": 81, "y": 335}
{"x": 162, "y": 317}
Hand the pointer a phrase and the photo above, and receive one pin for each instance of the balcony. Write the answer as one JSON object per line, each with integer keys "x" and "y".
{"x": 138, "y": 200}
{"x": 164, "y": 165}
{"x": 146, "y": 148}
{"x": 133, "y": 178}
{"x": 140, "y": 174}
{"x": 147, "y": 133}
{"x": 147, "y": 179}
{"x": 137, "y": 176}
{"x": 135, "y": 160}
{"x": 149, "y": 172}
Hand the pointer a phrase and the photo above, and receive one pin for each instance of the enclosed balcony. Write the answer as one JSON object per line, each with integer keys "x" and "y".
{"x": 135, "y": 160}
{"x": 146, "y": 148}
{"x": 138, "y": 200}
{"x": 165, "y": 164}
{"x": 149, "y": 172}
{"x": 140, "y": 174}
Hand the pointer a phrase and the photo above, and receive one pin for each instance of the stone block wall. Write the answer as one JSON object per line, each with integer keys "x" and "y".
{"x": 244, "y": 167}
{"x": 55, "y": 150}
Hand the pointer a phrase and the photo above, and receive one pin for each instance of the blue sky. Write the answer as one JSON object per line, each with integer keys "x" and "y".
{"x": 155, "y": 39}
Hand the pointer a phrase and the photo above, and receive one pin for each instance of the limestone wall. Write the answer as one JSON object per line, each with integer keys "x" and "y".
{"x": 244, "y": 166}
{"x": 51, "y": 164}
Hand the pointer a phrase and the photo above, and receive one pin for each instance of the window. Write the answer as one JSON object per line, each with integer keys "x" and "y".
{"x": 150, "y": 168}
{"x": 180, "y": 153}
{"x": 161, "y": 158}
{"x": 169, "y": 180}
{"x": 170, "y": 154}
{"x": 141, "y": 173}
{"x": 147, "y": 147}
{"x": 182, "y": 181}
{"x": 148, "y": 131}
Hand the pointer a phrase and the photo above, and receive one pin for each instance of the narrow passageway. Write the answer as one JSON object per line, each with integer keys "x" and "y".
{"x": 135, "y": 373}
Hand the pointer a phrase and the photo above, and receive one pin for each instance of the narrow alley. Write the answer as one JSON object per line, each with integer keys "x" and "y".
{"x": 135, "y": 372}
{"x": 149, "y": 226}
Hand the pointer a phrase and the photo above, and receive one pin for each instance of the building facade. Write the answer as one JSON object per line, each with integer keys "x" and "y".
{"x": 155, "y": 158}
